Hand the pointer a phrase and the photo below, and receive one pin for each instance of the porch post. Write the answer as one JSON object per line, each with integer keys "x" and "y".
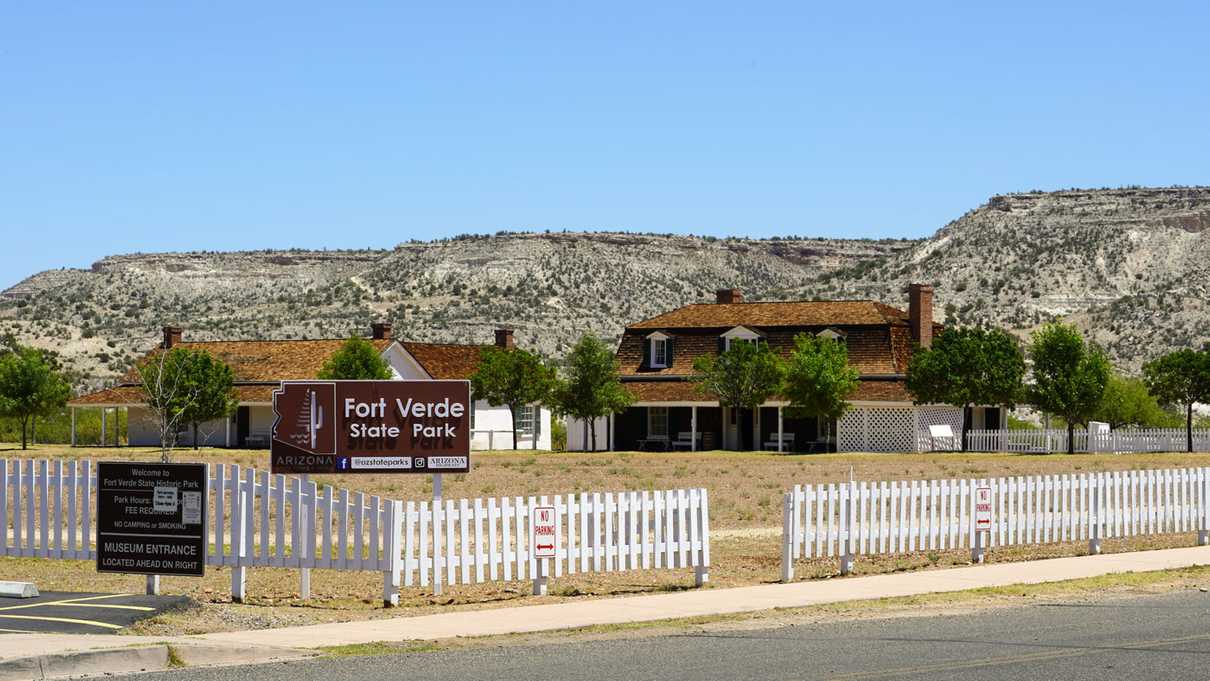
{"x": 780, "y": 425}
{"x": 73, "y": 426}
{"x": 693, "y": 428}
{"x": 227, "y": 435}
{"x": 609, "y": 436}
{"x": 104, "y": 414}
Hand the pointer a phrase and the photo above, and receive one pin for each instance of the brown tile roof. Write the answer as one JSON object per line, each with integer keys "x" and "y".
{"x": 666, "y": 391}
{"x": 773, "y": 314}
{"x": 687, "y": 391}
{"x": 870, "y": 348}
{"x": 133, "y": 395}
{"x": 445, "y": 360}
{"x": 259, "y": 362}
{"x": 270, "y": 360}
{"x": 881, "y": 391}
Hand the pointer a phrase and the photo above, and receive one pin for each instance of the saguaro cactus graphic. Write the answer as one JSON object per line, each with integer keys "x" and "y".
{"x": 310, "y": 420}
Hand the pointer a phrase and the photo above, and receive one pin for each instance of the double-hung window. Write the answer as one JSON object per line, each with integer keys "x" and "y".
{"x": 525, "y": 419}
{"x": 659, "y": 352}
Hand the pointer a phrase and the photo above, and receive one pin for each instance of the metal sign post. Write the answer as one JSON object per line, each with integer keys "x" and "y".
{"x": 983, "y": 522}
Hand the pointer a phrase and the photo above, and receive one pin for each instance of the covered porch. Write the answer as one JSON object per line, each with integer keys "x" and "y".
{"x": 656, "y": 426}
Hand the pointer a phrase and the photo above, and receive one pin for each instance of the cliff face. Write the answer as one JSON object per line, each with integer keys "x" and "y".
{"x": 1132, "y": 266}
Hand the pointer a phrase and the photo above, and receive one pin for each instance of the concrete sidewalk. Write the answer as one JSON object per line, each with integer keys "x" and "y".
{"x": 715, "y": 602}
{"x": 282, "y": 643}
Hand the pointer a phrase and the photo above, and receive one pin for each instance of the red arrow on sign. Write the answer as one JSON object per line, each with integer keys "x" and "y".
{"x": 545, "y": 546}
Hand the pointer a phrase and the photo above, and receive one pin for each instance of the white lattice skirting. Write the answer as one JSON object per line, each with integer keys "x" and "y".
{"x": 893, "y": 429}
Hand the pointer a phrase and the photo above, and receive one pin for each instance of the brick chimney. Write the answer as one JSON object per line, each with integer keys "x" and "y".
{"x": 380, "y": 331}
{"x": 172, "y": 337}
{"x": 504, "y": 339}
{"x": 920, "y": 313}
{"x": 726, "y": 296}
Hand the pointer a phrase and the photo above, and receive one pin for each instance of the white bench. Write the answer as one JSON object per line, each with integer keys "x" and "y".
{"x": 787, "y": 442}
{"x": 685, "y": 440}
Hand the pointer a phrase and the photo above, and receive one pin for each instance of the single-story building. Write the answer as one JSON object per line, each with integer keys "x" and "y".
{"x": 670, "y": 411}
{"x": 260, "y": 366}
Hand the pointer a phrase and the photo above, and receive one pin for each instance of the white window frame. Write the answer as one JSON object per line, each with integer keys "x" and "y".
{"x": 652, "y": 420}
{"x": 740, "y": 333}
{"x": 660, "y": 340}
{"x": 525, "y": 419}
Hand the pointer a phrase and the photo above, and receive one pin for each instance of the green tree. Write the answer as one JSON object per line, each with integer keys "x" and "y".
{"x": 591, "y": 388}
{"x": 171, "y": 392}
{"x": 209, "y": 380}
{"x": 1069, "y": 375}
{"x": 30, "y": 386}
{"x": 818, "y": 379}
{"x": 743, "y": 377}
{"x": 357, "y": 359}
{"x": 1181, "y": 378}
{"x": 1128, "y": 402}
{"x": 968, "y": 366}
{"x": 514, "y": 378}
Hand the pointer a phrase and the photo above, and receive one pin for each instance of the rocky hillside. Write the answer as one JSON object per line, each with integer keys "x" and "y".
{"x": 1130, "y": 265}
{"x": 549, "y": 287}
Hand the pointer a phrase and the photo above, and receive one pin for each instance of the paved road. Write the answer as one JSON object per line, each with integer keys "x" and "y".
{"x": 1154, "y": 637}
{"x": 66, "y": 612}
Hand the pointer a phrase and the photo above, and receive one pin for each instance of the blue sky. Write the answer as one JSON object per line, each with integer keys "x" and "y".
{"x": 219, "y": 126}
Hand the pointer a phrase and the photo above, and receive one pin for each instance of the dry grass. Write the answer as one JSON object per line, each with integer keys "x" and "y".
{"x": 745, "y": 487}
{"x": 745, "y": 502}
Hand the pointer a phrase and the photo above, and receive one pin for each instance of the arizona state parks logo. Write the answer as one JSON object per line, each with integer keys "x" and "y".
{"x": 371, "y": 427}
{"x": 306, "y": 416}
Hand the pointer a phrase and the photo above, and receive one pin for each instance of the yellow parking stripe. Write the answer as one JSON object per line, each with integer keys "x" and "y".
{"x": 141, "y": 608}
{"x": 17, "y": 631}
{"x": 66, "y": 601}
{"x": 66, "y": 620}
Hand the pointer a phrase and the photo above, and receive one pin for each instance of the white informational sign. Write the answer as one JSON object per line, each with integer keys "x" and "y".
{"x": 545, "y": 540}
{"x": 163, "y": 499}
{"x": 983, "y": 509}
{"x": 941, "y": 430}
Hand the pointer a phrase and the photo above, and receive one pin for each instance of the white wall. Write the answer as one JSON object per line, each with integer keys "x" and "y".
{"x": 576, "y": 438}
{"x": 499, "y": 421}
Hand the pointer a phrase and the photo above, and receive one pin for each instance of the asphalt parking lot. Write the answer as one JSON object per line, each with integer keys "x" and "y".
{"x": 65, "y": 612}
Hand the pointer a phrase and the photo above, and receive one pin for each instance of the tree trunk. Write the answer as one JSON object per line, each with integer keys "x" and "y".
{"x": 195, "y": 437}
{"x": 512, "y": 412}
{"x": 24, "y": 423}
{"x": 1189, "y": 426}
{"x": 592, "y": 428}
{"x": 33, "y": 430}
{"x": 1071, "y": 437}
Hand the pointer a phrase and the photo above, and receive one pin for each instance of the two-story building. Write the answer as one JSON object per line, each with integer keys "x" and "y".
{"x": 260, "y": 366}
{"x": 670, "y": 411}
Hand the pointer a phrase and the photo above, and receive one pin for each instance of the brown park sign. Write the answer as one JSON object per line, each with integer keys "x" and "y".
{"x": 371, "y": 427}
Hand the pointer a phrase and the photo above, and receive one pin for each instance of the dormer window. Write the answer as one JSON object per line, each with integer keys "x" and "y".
{"x": 740, "y": 334}
{"x": 832, "y": 334}
{"x": 660, "y": 357}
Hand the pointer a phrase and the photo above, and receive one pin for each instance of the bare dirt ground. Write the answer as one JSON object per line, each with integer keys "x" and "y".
{"x": 745, "y": 500}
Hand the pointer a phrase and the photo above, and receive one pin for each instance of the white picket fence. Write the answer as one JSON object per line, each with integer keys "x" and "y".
{"x": 488, "y": 540}
{"x": 900, "y": 517}
{"x": 1055, "y": 440}
{"x": 257, "y": 519}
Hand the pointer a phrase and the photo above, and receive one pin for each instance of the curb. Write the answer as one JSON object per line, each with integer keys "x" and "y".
{"x": 142, "y": 658}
